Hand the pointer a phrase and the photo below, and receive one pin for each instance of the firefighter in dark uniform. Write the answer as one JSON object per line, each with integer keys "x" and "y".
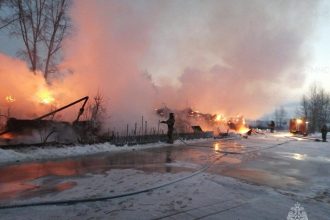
{"x": 272, "y": 126}
{"x": 170, "y": 125}
{"x": 324, "y": 131}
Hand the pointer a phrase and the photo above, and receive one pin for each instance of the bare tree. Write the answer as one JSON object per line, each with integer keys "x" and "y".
{"x": 96, "y": 111}
{"x": 280, "y": 116}
{"x": 277, "y": 116}
{"x": 315, "y": 107}
{"x": 283, "y": 115}
{"x": 324, "y": 107}
{"x": 55, "y": 31}
{"x": 42, "y": 26}
{"x": 304, "y": 107}
{"x": 97, "y": 108}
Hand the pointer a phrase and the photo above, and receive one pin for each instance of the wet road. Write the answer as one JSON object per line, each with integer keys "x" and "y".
{"x": 275, "y": 162}
{"x": 37, "y": 179}
{"x": 18, "y": 181}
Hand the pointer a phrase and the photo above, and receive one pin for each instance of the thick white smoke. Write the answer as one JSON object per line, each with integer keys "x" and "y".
{"x": 217, "y": 56}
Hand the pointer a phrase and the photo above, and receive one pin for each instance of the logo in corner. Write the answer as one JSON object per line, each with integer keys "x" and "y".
{"x": 297, "y": 213}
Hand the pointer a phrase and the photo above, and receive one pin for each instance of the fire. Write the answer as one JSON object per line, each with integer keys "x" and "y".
{"x": 217, "y": 122}
{"x": 7, "y": 136}
{"x": 10, "y": 98}
{"x": 218, "y": 117}
{"x": 45, "y": 97}
{"x": 243, "y": 130}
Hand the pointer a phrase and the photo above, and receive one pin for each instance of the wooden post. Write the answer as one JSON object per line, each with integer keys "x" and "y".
{"x": 142, "y": 126}
{"x": 135, "y": 129}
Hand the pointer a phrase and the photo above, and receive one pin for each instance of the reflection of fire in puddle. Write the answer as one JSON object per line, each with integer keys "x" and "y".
{"x": 25, "y": 190}
{"x": 30, "y": 179}
{"x": 217, "y": 147}
{"x": 261, "y": 177}
{"x": 230, "y": 147}
{"x": 48, "y": 188}
{"x": 231, "y": 160}
{"x": 64, "y": 186}
{"x": 10, "y": 190}
{"x": 305, "y": 157}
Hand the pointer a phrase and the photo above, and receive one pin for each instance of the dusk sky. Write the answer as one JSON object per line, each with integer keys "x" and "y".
{"x": 228, "y": 57}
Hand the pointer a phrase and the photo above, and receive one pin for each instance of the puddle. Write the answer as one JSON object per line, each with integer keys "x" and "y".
{"x": 231, "y": 147}
{"x": 23, "y": 180}
{"x": 262, "y": 177}
{"x": 305, "y": 157}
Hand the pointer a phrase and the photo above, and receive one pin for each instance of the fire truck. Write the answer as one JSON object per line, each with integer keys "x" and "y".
{"x": 298, "y": 126}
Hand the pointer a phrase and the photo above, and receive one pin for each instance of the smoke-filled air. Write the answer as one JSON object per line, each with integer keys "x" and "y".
{"x": 224, "y": 57}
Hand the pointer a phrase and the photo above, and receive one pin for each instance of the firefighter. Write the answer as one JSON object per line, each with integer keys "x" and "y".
{"x": 324, "y": 131}
{"x": 272, "y": 126}
{"x": 170, "y": 125}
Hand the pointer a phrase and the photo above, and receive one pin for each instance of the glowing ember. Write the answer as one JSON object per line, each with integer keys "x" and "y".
{"x": 7, "y": 136}
{"x": 45, "y": 97}
{"x": 10, "y": 98}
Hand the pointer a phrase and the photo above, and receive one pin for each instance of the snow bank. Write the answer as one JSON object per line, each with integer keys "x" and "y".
{"x": 56, "y": 152}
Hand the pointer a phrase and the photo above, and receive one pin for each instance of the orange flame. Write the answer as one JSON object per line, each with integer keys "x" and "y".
{"x": 243, "y": 130}
{"x": 10, "y": 98}
{"x": 7, "y": 136}
{"x": 45, "y": 97}
{"x": 218, "y": 117}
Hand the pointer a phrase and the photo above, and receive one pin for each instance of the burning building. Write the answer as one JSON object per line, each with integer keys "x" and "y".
{"x": 46, "y": 128}
{"x": 187, "y": 118}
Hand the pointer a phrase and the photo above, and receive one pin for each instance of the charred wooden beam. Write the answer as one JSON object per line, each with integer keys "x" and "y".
{"x": 14, "y": 125}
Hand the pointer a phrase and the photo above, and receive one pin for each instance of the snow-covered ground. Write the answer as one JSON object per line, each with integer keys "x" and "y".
{"x": 8, "y": 156}
{"x": 266, "y": 176}
{"x": 54, "y": 152}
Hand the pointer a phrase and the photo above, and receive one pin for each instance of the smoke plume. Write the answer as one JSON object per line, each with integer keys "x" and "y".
{"x": 224, "y": 57}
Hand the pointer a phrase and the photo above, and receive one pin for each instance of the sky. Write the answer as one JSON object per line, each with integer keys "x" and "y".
{"x": 225, "y": 57}
{"x": 318, "y": 69}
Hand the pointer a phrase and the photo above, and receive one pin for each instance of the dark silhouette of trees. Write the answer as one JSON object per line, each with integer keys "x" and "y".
{"x": 280, "y": 117}
{"x": 315, "y": 107}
